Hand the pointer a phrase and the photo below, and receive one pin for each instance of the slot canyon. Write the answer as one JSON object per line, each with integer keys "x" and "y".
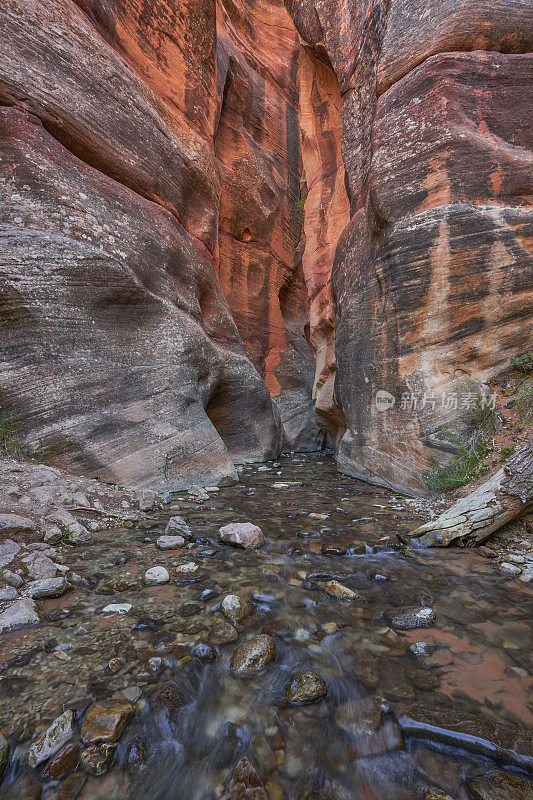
{"x": 266, "y": 331}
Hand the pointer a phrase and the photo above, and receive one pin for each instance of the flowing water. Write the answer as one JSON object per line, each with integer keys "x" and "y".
{"x": 391, "y": 726}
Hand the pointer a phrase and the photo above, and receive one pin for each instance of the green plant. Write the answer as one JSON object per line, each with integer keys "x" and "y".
{"x": 465, "y": 467}
{"x": 65, "y": 535}
{"x": 10, "y": 445}
{"x": 523, "y": 362}
{"x": 300, "y": 206}
{"x": 523, "y": 401}
{"x": 481, "y": 413}
{"x": 506, "y": 452}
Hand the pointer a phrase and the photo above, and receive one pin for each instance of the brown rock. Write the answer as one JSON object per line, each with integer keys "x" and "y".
{"x": 242, "y": 534}
{"x": 64, "y": 761}
{"x": 105, "y": 721}
{"x": 499, "y": 786}
{"x": 305, "y": 687}
{"x": 72, "y": 786}
{"x": 98, "y": 758}
{"x": 254, "y": 654}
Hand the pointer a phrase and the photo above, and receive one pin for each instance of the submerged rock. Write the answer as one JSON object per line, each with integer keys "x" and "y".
{"x": 204, "y": 651}
{"x": 4, "y": 753}
{"x": 498, "y": 785}
{"x": 235, "y": 608}
{"x": 409, "y": 618}
{"x": 53, "y": 738}
{"x": 305, "y": 687}
{"x": 222, "y": 633}
{"x": 429, "y": 656}
{"x": 242, "y": 534}
{"x": 360, "y": 716}
{"x": 339, "y": 591}
{"x": 254, "y": 654}
{"x": 244, "y": 783}
{"x": 98, "y": 758}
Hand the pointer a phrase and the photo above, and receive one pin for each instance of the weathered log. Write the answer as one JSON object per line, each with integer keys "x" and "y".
{"x": 473, "y": 518}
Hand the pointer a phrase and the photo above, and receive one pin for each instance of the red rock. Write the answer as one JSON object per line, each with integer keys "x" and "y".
{"x": 242, "y": 534}
{"x": 64, "y": 761}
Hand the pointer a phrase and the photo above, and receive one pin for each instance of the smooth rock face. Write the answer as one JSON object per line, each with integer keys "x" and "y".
{"x": 432, "y": 274}
{"x": 213, "y": 264}
{"x": 254, "y": 654}
{"x": 18, "y": 614}
{"x": 242, "y": 534}
{"x": 54, "y": 737}
{"x": 339, "y": 591}
{"x": 306, "y": 687}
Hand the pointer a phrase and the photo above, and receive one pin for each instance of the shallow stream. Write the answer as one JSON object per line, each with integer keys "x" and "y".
{"x": 393, "y": 725}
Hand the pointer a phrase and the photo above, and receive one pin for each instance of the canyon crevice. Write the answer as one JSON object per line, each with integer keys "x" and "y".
{"x": 224, "y": 227}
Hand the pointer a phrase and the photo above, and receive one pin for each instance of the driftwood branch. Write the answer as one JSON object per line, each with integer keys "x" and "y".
{"x": 497, "y": 501}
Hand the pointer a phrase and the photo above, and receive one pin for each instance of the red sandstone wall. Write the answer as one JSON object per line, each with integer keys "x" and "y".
{"x": 433, "y": 274}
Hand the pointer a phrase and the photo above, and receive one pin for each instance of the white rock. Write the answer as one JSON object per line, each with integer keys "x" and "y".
{"x": 189, "y": 567}
{"x": 156, "y": 575}
{"x": 147, "y": 499}
{"x": 47, "y": 587}
{"x": 176, "y": 526}
{"x": 54, "y": 737}
{"x": 39, "y": 566}
{"x": 8, "y": 551}
{"x": 18, "y": 614}
{"x": 510, "y": 569}
{"x": 8, "y": 593}
{"x": 170, "y": 542}
{"x": 117, "y": 608}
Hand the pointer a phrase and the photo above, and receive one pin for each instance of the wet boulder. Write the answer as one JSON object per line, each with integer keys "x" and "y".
{"x": 53, "y": 738}
{"x": 105, "y": 721}
{"x": 305, "y": 687}
{"x": 235, "y": 608}
{"x": 254, "y": 654}
{"x": 406, "y": 619}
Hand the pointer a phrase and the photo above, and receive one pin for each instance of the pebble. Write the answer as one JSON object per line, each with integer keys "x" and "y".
{"x": 361, "y": 716}
{"x": 53, "y": 738}
{"x": 204, "y": 651}
{"x": 190, "y": 566}
{"x": 510, "y": 569}
{"x": 176, "y": 526}
{"x": 339, "y": 591}
{"x": 169, "y": 542}
{"x": 410, "y": 618}
{"x": 254, "y": 654}
{"x": 156, "y": 575}
{"x": 117, "y": 608}
{"x": 305, "y": 687}
{"x": 242, "y": 534}
{"x": 223, "y": 633}
{"x": 429, "y": 656}
{"x": 235, "y": 608}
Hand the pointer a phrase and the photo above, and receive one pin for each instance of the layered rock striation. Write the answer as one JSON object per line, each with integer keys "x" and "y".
{"x": 222, "y": 223}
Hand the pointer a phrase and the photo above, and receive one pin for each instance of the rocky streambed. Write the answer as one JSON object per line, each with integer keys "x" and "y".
{"x": 327, "y": 661}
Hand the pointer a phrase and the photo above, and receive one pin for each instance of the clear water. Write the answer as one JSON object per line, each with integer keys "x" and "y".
{"x": 299, "y": 751}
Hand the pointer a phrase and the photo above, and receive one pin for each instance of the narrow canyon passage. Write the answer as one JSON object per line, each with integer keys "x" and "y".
{"x": 334, "y": 597}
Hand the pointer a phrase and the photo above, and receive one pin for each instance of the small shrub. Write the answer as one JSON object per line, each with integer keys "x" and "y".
{"x": 482, "y": 415}
{"x": 465, "y": 467}
{"x": 523, "y": 401}
{"x": 523, "y": 362}
{"x": 507, "y": 452}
